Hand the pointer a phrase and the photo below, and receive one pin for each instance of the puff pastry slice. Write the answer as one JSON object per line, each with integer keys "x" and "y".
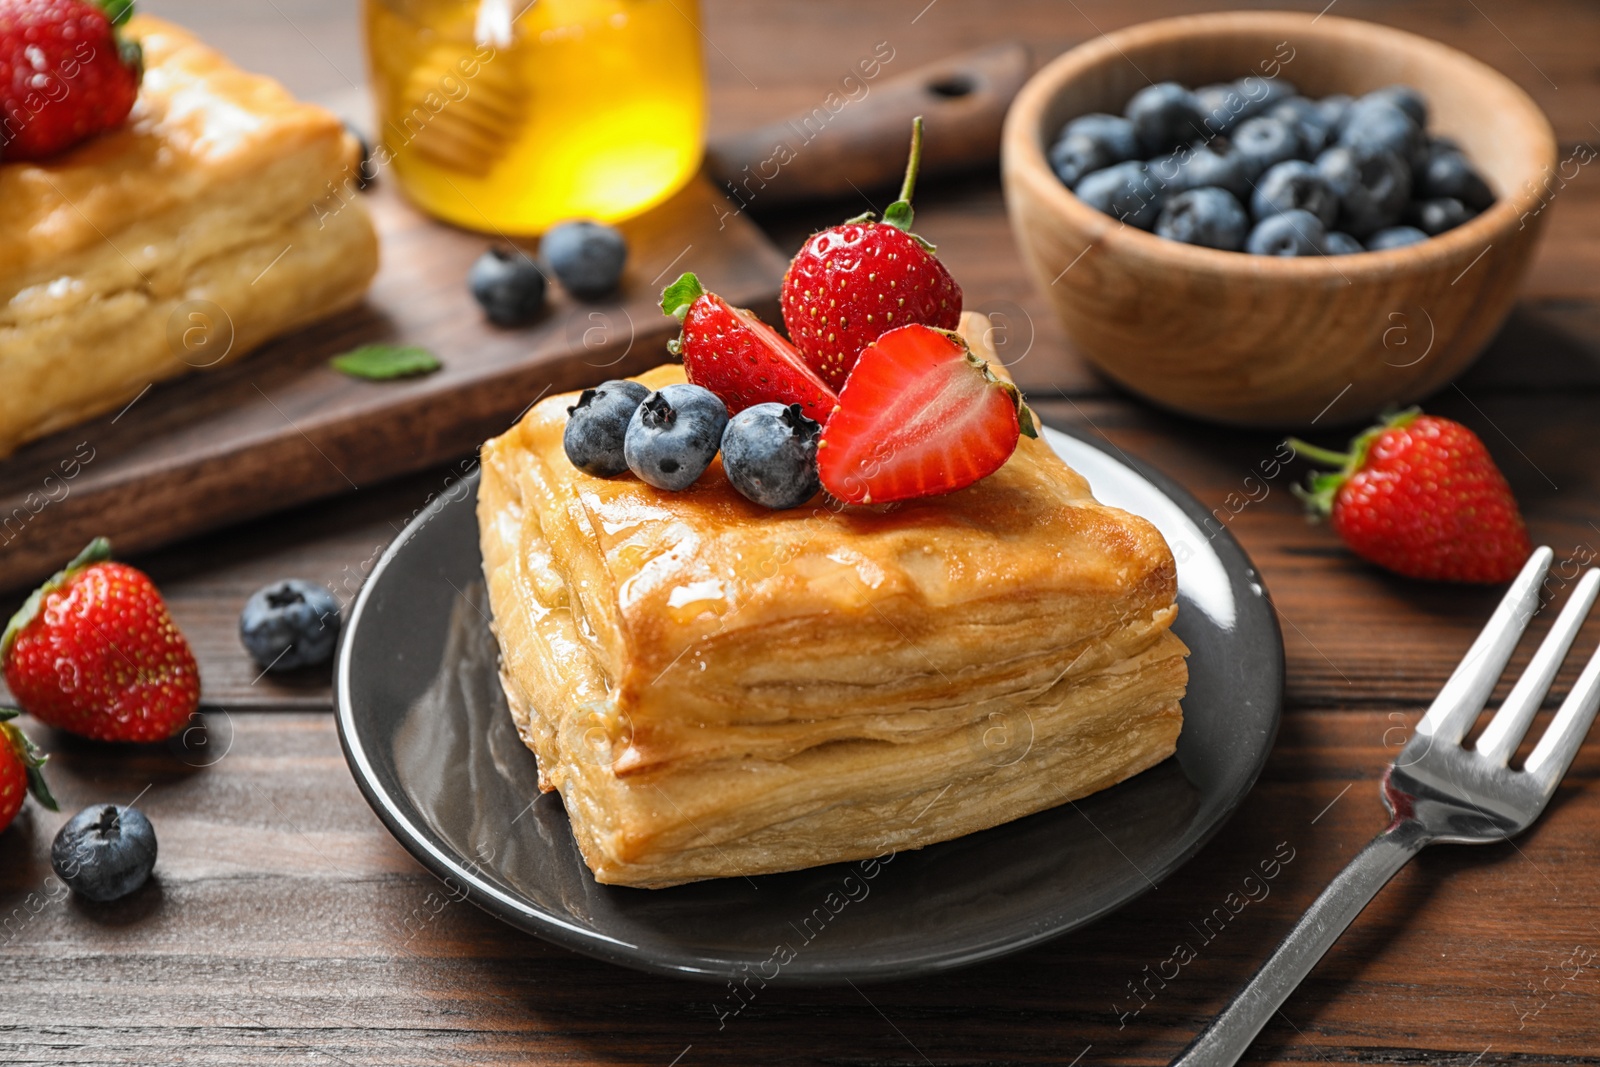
{"x": 717, "y": 689}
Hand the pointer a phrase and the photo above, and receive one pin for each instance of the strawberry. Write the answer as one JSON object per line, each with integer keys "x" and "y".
{"x": 851, "y": 282}
{"x": 1421, "y": 496}
{"x": 21, "y": 770}
{"x": 94, "y": 651}
{"x": 64, "y": 73}
{"x": 734, "y": 354}
{"x": 921, "y": 415}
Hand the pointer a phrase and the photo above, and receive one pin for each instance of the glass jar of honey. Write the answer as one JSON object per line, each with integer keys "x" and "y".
{"x": 507, "y": 116}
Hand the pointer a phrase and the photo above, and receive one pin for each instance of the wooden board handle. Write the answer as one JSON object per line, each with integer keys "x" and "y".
{"x": 860, "y": 144}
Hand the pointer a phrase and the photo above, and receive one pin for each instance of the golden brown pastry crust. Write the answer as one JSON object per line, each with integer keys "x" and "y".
{"x": 719, "y": 689}
{"x": 217, "y": 174}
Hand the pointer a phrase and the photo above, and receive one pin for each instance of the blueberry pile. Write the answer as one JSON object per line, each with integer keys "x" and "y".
{"x": 669, "y": 437}
{"x": 1253, "y": 166}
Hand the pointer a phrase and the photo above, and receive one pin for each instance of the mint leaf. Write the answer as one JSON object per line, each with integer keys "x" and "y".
{"x": 382, "y": 362}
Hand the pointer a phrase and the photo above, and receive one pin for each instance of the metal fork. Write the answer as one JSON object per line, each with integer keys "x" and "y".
{"x": 1439, "y": 790}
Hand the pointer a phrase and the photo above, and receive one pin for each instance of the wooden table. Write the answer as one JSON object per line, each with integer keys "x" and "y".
{"x": 286, "y": 927}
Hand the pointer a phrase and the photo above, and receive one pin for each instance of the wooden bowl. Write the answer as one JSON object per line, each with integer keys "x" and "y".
{"x": 1266, "y": 341}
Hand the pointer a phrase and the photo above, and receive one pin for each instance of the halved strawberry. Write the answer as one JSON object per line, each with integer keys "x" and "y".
{"x": 920, "y": 415}
{"x": 737, "y": 356}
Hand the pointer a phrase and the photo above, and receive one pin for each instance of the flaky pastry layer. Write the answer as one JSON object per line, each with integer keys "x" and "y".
{"x": 222, "y": 190}
{"x": 863, "y": 679}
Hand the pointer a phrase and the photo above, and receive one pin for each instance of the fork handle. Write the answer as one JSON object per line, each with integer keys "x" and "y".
{"x": 1223, "y": 1042}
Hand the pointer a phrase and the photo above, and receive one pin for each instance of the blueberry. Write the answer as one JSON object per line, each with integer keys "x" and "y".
{"x": 1261, "y": 142}
{"x": 1335, "y": 109}
{"x": 1434, "y": 217}
{"x": 597, "y": 424}
{"x": 1212, "y": 163}
{"x": 585, "y": 256}
{"x": 674, "y": 434}
{"x": 366, "y": 172}
{"x": 1113, "y": 132}
{"x": 1076, "y": 155}
{"x": 289, "y": 624}
{"x": 1291, "y": 233}
{"x": 1222, "y": 106}
{"x": 1376, "y": 125}
{"x": 1395, "y": 237}
{"x": 1407, "y": 99}
{"x": 1124, "y": 191}
{"x": 769, "y": 453}
{"x": 1260, "y": 94}
{"x": 1372, "y": 189}
{"x": 1338, "y": 243}
{"x": 1294, "y": 184}
{"x": 1210, "y": 216}
{"x": 104, "y": 852}
{"x": 508, "y": 285}
{"x": 1308, "y": 120}
{"x": 1447, "y": 172}
{"x": 1164, "y": 115}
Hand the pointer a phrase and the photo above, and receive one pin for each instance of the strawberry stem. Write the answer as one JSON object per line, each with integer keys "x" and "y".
{"x": 1323, "y": 486}
{"x": 899, "y": 214}
{"x": 1318, "y": 455}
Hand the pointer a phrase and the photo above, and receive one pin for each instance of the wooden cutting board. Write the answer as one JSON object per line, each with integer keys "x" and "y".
{"x": 279, "y": 428}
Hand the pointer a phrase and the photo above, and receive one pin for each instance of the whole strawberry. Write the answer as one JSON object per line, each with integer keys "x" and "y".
{"x": 21, "y": 770}
{"x": 94, "y": 651}
{"x": 734, "y": 354}
{"x": 852, "y": 282}
{"x": 1421, "y": 496}
{"x": 64, "y": 74}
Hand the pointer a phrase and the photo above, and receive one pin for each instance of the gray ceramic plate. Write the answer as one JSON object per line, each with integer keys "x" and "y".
{"x": 431, "y": 744}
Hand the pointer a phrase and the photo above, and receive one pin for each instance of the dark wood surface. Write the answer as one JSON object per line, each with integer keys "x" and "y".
{"x": 286, "y": 927}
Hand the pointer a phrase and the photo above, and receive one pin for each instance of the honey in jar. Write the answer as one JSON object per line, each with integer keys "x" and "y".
{"x": 508, "y": 116}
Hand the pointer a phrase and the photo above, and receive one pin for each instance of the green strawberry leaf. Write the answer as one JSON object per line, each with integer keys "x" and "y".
{"x": 118, "y": 11}
{"x": 384, "y": 362}
{"x": 96, "y": 551}
{"x": 677, "y": 297}
{"x": 32, "y": 759}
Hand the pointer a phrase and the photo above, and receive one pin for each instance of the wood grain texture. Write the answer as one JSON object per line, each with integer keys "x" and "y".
{"x": 289, "y": 929}
{"x": 279, "y": 427}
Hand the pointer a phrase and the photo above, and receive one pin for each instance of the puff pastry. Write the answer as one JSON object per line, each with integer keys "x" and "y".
{"x": 221, "y": 188}
{"x": 717, "y": 689}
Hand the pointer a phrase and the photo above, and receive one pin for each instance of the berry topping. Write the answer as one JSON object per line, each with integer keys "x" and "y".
{"x": 105, "y": 852}
{"x": 769, "y": 453}
{"x": 65, "y": 76}
{"x": 586, "y": 257}
{"x": 1421, "y": 496}
{"x": 289, "y": 624}
{"x": 596, "y": 425}
{"x": 674, "y": 435}
{"x": 94, "y": 651}
{"x": 920, "y": 415}
{"x": 851, "y": 282}
{"x": 734, "y": 354}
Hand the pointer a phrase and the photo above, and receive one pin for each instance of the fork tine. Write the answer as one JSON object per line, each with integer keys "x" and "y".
{"x": 1457, "y": 706}
{"x": 1553, "y": 754}
{"x": 1505, "y": 730}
